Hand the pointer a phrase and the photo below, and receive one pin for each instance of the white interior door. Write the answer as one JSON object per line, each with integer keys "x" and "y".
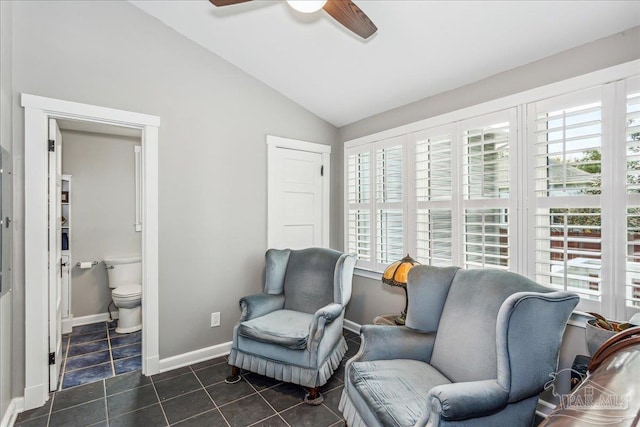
{"x": 296, "y": 205}
{"x": 55, "y": 254}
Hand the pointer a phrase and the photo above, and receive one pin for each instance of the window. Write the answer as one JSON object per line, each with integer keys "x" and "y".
{"x": 632, "y": 195}
{"x": 486, "y": 183}
{"x": 433, "y": 196}
{"x": 389, "y": 203}
{"x": 548, "y": 188}
{"x": 565, "y": 146}
{"x": 358, "y": 201}
{"x": 375, "y": 219}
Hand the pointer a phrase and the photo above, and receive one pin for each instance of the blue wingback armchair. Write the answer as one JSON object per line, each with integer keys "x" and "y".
{"x": 477, "y": 349}
{"x": 293, "y": 331}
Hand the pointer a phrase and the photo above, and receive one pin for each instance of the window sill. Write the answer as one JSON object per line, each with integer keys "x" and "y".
{"x": 369, "y": 274}
{"x": 579, "y": 319}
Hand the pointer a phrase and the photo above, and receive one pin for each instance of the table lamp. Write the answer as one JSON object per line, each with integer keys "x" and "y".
{"x": 396, "y": 275}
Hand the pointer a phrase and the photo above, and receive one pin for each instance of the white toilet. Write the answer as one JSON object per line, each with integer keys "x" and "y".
{"x": 125, "y": 278}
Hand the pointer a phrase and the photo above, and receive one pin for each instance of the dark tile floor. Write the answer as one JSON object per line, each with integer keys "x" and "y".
{"x": 195, "y": 395}
{"x": 95, "y": 352}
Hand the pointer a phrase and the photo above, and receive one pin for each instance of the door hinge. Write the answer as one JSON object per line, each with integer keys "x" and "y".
{"x": 322, "y": 170}
{"x": 52, "y": 145}
{"x": 52, "y": 358}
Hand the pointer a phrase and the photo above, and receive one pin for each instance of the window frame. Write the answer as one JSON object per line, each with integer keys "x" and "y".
{"x": 522, "y": 205}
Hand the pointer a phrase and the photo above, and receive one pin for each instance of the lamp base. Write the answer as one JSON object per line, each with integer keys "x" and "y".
{"x": 400, "y": 320}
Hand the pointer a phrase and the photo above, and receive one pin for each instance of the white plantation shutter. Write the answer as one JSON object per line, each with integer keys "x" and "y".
{"x": 375, "y": 212}
{"x": 389, "y": 202}
{"x": 358, "y": 224}
{"x": 434, "y": 163}
{"x": 487, "y": 178}
{"x": 565, "y": 138}
{"x": 549, "y": 189}
{"x": 632, "y": 190}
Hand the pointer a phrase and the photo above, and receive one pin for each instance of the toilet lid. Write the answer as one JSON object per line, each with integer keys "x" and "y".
{"x": 127, "y": 290}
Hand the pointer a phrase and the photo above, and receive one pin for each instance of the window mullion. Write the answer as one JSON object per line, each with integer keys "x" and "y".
{"x": 610, "y": 139}
{"x": 457, "y": 217}
{"x": 372, "y": 209}
{"x": 409, "y": 186}
{"x": 529, "y": 188}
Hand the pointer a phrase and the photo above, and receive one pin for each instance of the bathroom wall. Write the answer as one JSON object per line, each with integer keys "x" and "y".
{"x": 102, "y": 211}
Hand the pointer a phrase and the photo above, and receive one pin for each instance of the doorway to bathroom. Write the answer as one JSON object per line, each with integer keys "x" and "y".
{"x": 41, "y": 292}
{"x": 99, "y": 207}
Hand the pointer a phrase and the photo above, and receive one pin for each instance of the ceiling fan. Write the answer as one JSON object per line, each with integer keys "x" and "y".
{"x": 343, "y": 11}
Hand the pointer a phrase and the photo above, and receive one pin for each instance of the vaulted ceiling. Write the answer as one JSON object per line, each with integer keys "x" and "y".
{"x": 422, "y": 48}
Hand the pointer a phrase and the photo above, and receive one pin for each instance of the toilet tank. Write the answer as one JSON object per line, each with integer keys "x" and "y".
{"x": 123, "y": 270}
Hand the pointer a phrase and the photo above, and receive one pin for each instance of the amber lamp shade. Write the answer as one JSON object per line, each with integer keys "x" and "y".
{"x": 396, "y": 275}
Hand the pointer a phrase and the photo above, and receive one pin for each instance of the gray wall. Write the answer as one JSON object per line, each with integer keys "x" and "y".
{"x": 603, "y": 53}
{"x": 102, "y": 211}
{"x": 212, "y": 153}
{"x": 6, "y": 301}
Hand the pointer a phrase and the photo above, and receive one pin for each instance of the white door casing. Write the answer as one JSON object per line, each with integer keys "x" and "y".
{"x": 298, "y": 193}
{"x": 55, "y": 253}
{"x": 37, "y": 111}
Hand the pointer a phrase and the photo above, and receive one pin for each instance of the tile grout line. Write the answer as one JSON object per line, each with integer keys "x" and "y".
{"x": 113, "y": 368}
{"x": 271, "y": 406}
{"x": 106, "y": 407}
{"x": 164, "y": 414}
{"x": 64, "y": 363}
{"x": 209, "y": 396}
{"x": 50, "y": 409}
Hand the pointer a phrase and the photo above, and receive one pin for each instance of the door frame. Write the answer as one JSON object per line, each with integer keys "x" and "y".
{"x": 276, "y": 142}
{"x": 37, "y": 111}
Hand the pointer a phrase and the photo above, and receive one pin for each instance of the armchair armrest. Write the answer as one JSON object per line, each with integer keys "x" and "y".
{"x": 329, "y": 312}
{"x": 322, "y": 317}
{"x": 382, "y": 342}
{"x": 257, "y": 305}
{"x": 460, "y": 401}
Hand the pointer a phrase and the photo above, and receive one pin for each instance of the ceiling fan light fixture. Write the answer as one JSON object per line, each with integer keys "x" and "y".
{"x": 307, "y": 6}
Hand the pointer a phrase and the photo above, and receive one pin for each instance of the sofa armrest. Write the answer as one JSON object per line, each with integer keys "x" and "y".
{"x": 460, "y": 401}
{"x": 383, "y": 342}
{"x": 257, "y": 305}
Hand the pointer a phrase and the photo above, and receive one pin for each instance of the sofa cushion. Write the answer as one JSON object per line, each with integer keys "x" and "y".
{"x": 283, "y": 327}
{"x": 396, "y": 389}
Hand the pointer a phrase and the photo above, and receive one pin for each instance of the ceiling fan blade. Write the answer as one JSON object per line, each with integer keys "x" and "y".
{"x": 351, "y": 16}
{"x": 220, "y": 3}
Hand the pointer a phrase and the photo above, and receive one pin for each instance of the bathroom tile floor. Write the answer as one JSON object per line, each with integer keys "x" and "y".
{"x": 95, "y": 352}
{"x": 195, "y": 395}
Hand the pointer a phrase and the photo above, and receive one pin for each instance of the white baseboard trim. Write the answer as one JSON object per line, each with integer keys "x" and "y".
{"x": 207, "y": 353}
{"x": 15, "y": 407}
{"x": 67, "y": 325}
{"x": 195, "y": 356}
{"x": 94, "y": 318}
{"x": 35, "y": 396}
{"x": 151, "y": 365}
{"x": 351, "y": 326}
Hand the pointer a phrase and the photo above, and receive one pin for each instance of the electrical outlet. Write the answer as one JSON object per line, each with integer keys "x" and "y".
{"x": 215, "y": 319}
